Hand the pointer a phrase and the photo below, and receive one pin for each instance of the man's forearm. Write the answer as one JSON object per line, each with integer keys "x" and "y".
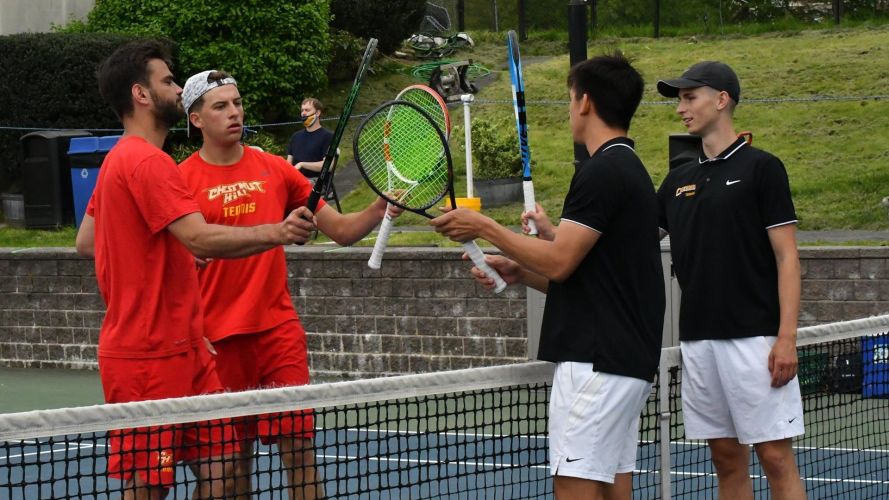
{"x": 535, "y": 255}
{"x": 346, "y": 229}
{"x": 233, "y": 242}
{"x": 314, "y": 166}
{"x": 789, "y": 290}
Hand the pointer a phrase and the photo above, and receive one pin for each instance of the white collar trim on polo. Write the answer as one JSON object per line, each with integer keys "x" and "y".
{"x": 726, "y": 157}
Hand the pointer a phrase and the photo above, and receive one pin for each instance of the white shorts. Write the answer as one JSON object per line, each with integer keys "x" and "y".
{"x": 594, "y": 422}
{"x": 727, "y": 392}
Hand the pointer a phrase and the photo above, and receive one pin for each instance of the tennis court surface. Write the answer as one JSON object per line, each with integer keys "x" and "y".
{"x": 478, "y": 433}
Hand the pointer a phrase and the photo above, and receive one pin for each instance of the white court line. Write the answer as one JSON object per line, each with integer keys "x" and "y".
{"x": 53, "y": 451}
{"x": 703, "y": 444}
{"x": 760, "y": 476}
{"x": 69, "y": 448}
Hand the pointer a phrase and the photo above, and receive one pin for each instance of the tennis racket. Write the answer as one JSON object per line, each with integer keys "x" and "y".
{"x": 521, "y": 122}
{"x": 325, "y": 174}
{"x": 405, "y": 158}
{"x": 432, "y": 103}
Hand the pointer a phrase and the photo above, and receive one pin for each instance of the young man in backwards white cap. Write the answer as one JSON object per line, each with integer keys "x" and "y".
{"x": 732, "y": 231}
{"x": 249, "y": 315}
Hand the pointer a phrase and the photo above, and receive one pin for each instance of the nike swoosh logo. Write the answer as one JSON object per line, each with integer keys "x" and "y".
{"x": 573, "y": 459}
{"x": 791, "y": 420}
{"x": 729, "y": 183}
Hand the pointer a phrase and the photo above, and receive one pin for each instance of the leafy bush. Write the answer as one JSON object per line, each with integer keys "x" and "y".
{"x": 49, "y": 82}
{"x": 390, "y": 21}
{"x": 346, "y": 50}
{"x": 495, "y": 152}
{"x": 276, "y": 49}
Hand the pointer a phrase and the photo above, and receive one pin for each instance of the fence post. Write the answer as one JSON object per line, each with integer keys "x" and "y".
{"x": 461, "y": 15}
{"x": 594, "y": 15}
{"x": 523, "y": 28}
{"x": 467, "y": 128}
{"x": 657, "y": 18}
{"x": 837, "y": 7}
{"x": 496, "y": 17}
{"x": 577, "y": 52}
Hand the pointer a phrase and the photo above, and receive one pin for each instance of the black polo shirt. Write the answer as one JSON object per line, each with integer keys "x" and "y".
{"x": 718, "y": 212}
{"x": 610, "y": 311}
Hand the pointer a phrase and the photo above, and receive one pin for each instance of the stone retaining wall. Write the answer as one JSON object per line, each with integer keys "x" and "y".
{"x": 419, "y": 313}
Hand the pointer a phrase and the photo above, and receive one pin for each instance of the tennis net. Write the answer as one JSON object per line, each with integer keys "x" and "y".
{"x": 478, "y": 433}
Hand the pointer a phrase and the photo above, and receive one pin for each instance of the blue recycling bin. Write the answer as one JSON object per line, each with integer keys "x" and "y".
{"x": 875, "y": 362}
{"x": 86, "y": 155}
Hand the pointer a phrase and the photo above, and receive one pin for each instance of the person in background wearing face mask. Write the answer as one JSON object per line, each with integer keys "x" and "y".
{"x": 308, "y": 146}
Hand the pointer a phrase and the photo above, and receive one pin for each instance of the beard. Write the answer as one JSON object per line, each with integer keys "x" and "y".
{"x": 167, "y": 113}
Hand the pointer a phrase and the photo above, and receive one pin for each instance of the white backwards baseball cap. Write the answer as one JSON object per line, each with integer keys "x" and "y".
{"x": 198, "y": 85}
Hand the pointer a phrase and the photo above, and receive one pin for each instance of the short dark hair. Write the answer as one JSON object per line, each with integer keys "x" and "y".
{"x": 214, "y": 76}
{"x": 318, "y": 105}
{"x": 612, "y": 84}
{"x": 128, "y": 65}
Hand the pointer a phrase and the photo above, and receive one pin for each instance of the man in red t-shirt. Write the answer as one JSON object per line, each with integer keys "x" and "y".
{"x": 142, "y": 226}
{"x": 248, "y": 312}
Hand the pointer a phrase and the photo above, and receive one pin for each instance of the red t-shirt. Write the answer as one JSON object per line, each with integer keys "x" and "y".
{"x": 246, "y": 295}
{"x": 146, "y": 276}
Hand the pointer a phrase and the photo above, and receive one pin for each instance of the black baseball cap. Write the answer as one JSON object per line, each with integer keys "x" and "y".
{"x": 711, "y": 74}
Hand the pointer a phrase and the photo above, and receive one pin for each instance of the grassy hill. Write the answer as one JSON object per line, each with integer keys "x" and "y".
{"x": 794, "y": 90}
{"x": 806, "y": 95}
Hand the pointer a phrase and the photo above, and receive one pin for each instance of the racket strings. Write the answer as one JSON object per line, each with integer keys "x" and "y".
{"x": 402, "y": 155}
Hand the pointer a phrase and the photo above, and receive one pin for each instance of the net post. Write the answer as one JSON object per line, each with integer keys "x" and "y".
{"x": 664, "y": 417}
{"x": 467, "y": 99}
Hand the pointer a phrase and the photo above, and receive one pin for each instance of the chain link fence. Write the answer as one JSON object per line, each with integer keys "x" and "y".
{"x": 501, "y": 15}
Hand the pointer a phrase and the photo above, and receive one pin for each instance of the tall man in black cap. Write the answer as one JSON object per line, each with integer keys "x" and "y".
{"x": 732, "y": 230}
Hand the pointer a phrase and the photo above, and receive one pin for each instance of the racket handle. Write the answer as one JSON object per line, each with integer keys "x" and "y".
{"x": 376, "y": 257}
{"x": 530, "y": 204}
{"x": 478, "y": 258}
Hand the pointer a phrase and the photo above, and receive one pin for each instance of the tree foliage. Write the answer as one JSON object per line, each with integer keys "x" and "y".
{"x": 49, "y": 81}
{"x": 390, "y": 21}
{"x": 277, "y": 49}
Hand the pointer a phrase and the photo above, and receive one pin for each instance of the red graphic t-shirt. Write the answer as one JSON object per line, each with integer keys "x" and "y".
{"x": 145, "y": 275}
{"x": 246, "y": 295}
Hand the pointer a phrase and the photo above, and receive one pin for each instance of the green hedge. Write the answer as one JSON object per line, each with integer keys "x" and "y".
{"x": 495, "y": 149}
{"x": 277, "y": 49}
{"x": 390, "y": 21}
{"x": 49, "y": 81}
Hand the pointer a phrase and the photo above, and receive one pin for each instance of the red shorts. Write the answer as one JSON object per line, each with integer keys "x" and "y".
{"x": 272, "y": 358}
{"x": 154, "y": 451}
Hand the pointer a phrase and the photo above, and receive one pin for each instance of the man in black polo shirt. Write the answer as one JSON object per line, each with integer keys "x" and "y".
{"x": 308, "y": 146}
{"x": 602, "y": 272}
{"x": 732, "y": 231}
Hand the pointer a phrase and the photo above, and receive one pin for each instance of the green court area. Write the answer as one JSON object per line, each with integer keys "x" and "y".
{"x": 23, "y": 389}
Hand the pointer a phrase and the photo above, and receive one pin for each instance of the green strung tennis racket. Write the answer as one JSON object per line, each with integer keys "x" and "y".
{"x": 432, "y": 103}
{"x": 405, "y": 158}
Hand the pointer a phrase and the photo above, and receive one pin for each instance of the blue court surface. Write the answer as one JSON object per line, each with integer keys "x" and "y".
{"x": 435, "y": 465}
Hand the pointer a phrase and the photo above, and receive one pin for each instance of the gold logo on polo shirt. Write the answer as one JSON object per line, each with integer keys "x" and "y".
{"x": 688, "y": 190}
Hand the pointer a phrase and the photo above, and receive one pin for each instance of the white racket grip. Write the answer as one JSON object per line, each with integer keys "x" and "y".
{"x": 376, "y": 257}
{"x": 530, "y": 204}
{"x": 478, "y": 258}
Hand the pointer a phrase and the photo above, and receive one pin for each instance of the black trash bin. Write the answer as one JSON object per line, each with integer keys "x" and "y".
{"x": 683, "y": 148}
{"x": 47, "y": 178}
{"x": 87, "y": 155}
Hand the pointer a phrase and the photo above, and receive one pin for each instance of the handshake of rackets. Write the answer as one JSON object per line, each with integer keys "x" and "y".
{"x": 402, "y": 152}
